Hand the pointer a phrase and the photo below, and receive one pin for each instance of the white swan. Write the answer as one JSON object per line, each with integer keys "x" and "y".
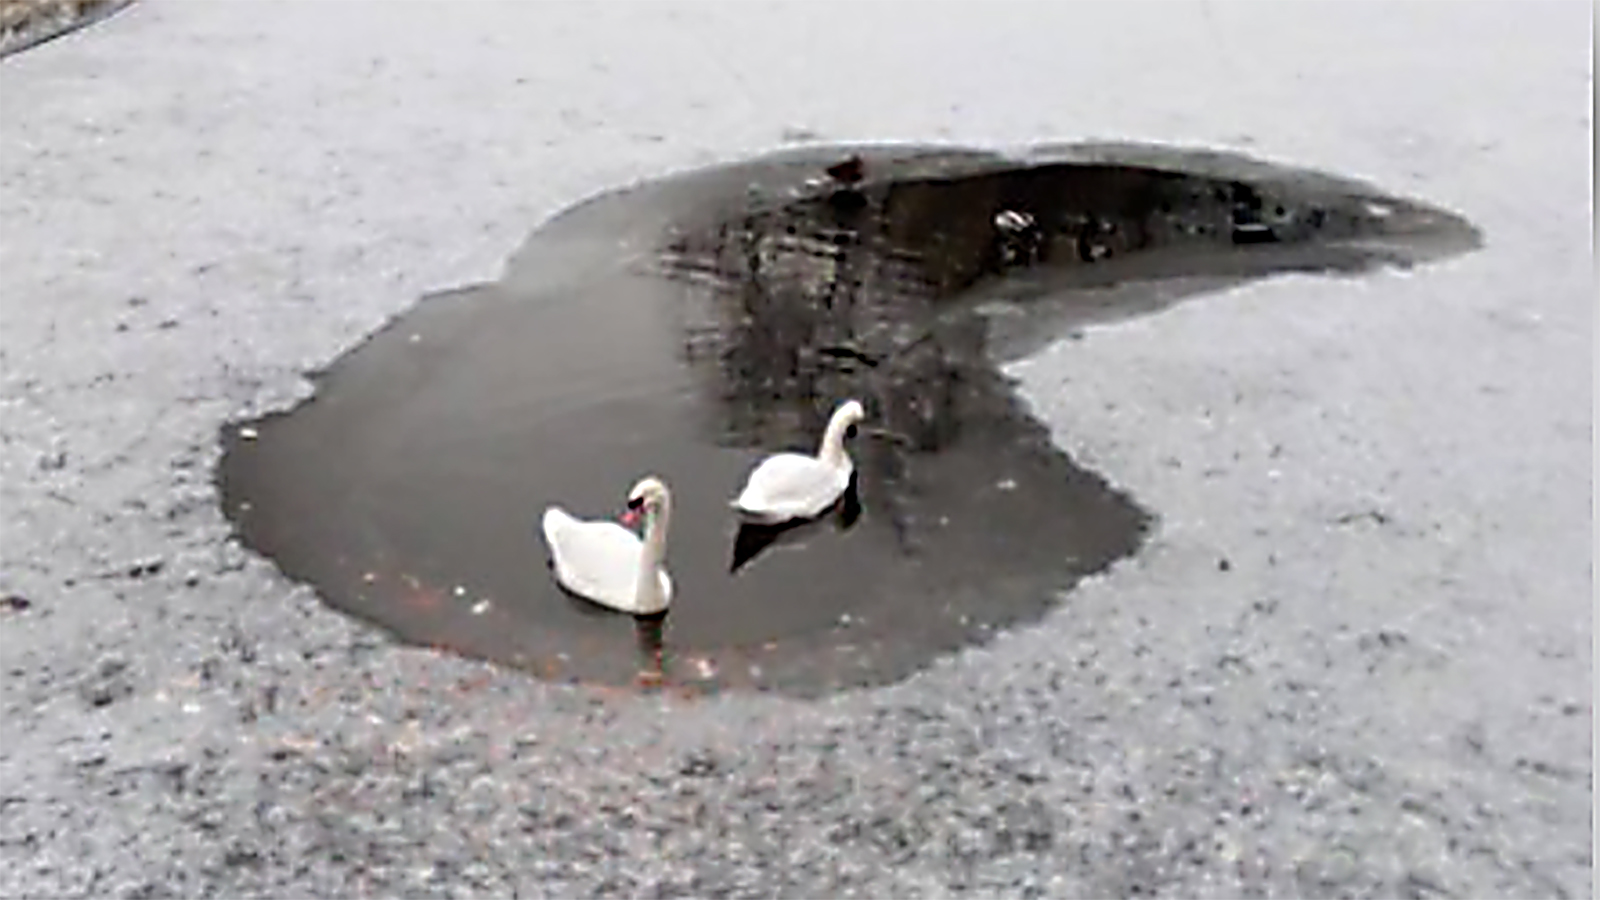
{"x": 789, "y": 486}
{"x": 608, "y": 564}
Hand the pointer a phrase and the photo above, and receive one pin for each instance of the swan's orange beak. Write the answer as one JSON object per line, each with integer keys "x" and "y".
{"x": 630, "y": 517}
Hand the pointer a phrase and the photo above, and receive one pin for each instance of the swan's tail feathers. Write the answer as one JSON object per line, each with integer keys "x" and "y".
{"x": 749, "y": 500}
{"x": 748, "y": 510}
{"x": 555, "y": 519}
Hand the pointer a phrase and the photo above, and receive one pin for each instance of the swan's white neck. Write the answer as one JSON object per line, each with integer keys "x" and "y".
{"x": 831, "y": 452}
{"x": 647, "y": 589}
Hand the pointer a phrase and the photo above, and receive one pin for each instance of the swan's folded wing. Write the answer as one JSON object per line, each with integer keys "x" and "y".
{"x": 792, "y": 484}
{"x": 597, "y": 560}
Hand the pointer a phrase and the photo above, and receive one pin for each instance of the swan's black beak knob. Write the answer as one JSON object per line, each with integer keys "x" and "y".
{"x": 634, "y": 512}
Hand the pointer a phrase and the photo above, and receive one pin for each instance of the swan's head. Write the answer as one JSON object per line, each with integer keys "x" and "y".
{"x": 649, "y": 496}
{"x": 847, "y": 415}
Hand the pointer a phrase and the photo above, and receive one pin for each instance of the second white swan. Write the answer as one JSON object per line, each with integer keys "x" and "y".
{"x": 787, "y": 486}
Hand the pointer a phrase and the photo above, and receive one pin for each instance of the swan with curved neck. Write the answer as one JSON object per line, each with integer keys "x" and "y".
{"x": 608, "y": 564}
{"x": 788, "y": 486}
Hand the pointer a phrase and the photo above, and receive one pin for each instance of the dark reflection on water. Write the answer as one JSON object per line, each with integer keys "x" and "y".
{"x": 754, "y": 538}
{"x": 687, "y": 327}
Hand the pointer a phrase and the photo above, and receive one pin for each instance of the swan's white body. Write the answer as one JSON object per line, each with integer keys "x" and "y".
{"x": 608, "y": 564}
{"x": 787, "y": 486}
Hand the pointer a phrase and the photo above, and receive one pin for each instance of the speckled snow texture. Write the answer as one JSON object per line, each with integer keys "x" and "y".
{"x": 1385, "y": 690}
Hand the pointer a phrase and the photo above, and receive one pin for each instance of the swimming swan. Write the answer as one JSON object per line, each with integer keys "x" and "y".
{"x": 606, "y": 563}
{"x": 788, "y": 486}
